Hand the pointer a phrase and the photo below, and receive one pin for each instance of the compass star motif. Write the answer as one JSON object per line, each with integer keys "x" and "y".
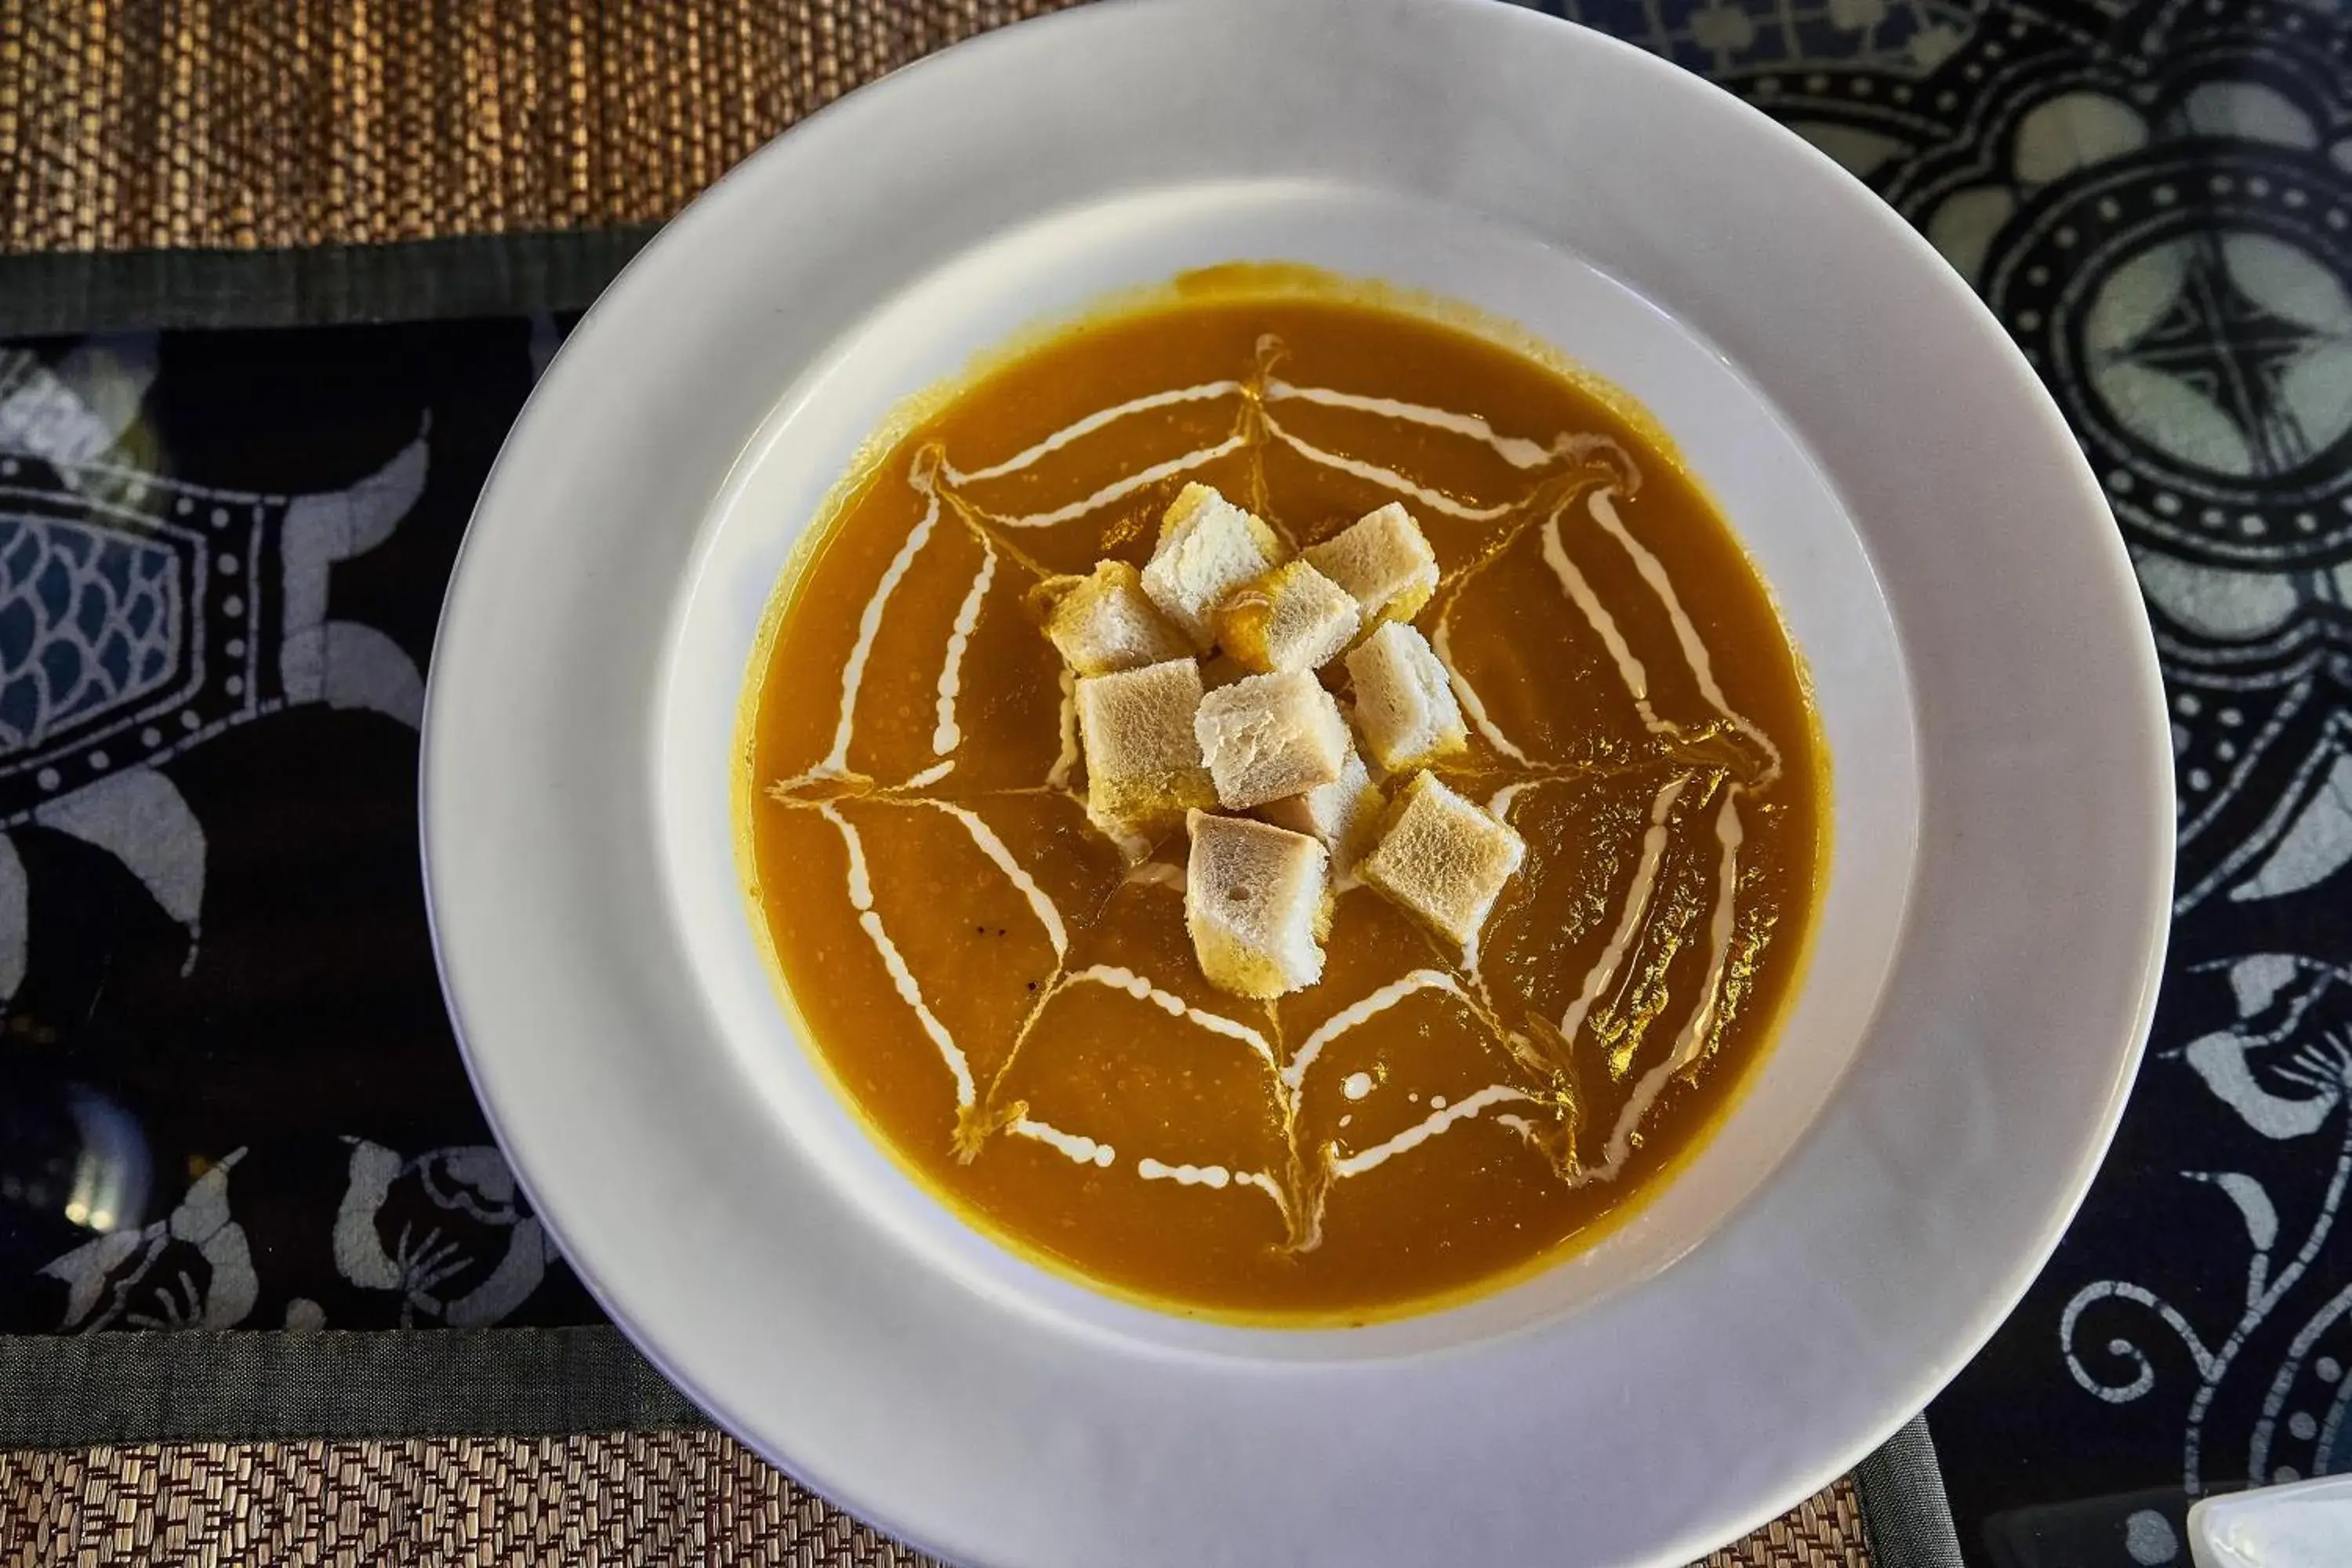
{"x": 2208, "y": 348}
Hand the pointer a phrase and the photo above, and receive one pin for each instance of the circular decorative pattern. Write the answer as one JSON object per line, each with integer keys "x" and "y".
{"x": 2312, "y": 1435}
{"x": 2202, "y": 349}
{"x": 2150, "y": 1540}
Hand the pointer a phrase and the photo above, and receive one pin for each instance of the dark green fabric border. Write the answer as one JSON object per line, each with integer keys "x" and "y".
{"x": 1904, "y": 1509}
{"x": 72, "y": 1393}
{"x": 61, "y": 292}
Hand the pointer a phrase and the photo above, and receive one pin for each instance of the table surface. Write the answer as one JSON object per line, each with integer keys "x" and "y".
{"x": 229, "y": 1093}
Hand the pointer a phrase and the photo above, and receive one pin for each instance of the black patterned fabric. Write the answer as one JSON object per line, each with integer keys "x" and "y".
{"x": 229, "y": 1093}
{"x": 2155, "y": 200}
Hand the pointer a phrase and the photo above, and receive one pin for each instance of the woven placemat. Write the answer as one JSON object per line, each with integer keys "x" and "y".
{"x": 602, "y": 1497}
{"x": 194, "y": 125}
{"x": 240, "y": 124}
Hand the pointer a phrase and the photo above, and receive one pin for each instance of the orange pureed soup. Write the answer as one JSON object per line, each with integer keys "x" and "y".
{"x": 1009, "y": 995}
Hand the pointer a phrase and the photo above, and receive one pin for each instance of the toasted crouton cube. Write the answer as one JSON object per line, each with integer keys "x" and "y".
{"x": 1270, "y": 735}
{"x": 1294, "y": 617}
{"x": 1144, "y": 770}
{"x": 1207, "y": 547}
{"x": 1341, "y": 815}
{"x": 1256, "y": 905}
{"x": 1383, "y": 560}
{"x": 1405, "y": 709}
{"x": 1442, "y": 857}
{"x": 1105, "y": 622}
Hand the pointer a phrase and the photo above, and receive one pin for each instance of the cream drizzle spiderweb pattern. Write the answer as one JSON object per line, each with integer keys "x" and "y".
{"x": 1715, "y": 760}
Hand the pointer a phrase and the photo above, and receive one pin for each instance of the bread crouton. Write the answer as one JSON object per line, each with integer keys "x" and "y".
{"x": 1256, "y": 904}
{"x": 1442, "y": 857}
{"x": 1103, "y": 622}
{"x": 1144, "y": 769}
{"x": 1341, "y": 815}
{"x": 1383, "y": 560}
{"x": 1207, "y": 547}
{"x": 1292, "y": 619}
{"x": 1404, "y": 706}
{"x": 1268, "y": 736}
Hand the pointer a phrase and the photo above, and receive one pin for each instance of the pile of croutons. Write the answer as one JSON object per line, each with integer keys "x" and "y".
{"x": 1164, "y": 749}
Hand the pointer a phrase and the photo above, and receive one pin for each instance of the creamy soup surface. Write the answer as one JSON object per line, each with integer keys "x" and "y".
{"x": 1010, "y": 999}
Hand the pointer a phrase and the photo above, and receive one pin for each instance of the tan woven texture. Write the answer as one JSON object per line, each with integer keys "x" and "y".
{"x": 666, "y": 1498}
{"x": 137, "y": 124}
{"x": 131, "y": 124}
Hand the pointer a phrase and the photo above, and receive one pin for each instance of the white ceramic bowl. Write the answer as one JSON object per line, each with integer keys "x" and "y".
{"x": 1989, "y": 941}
